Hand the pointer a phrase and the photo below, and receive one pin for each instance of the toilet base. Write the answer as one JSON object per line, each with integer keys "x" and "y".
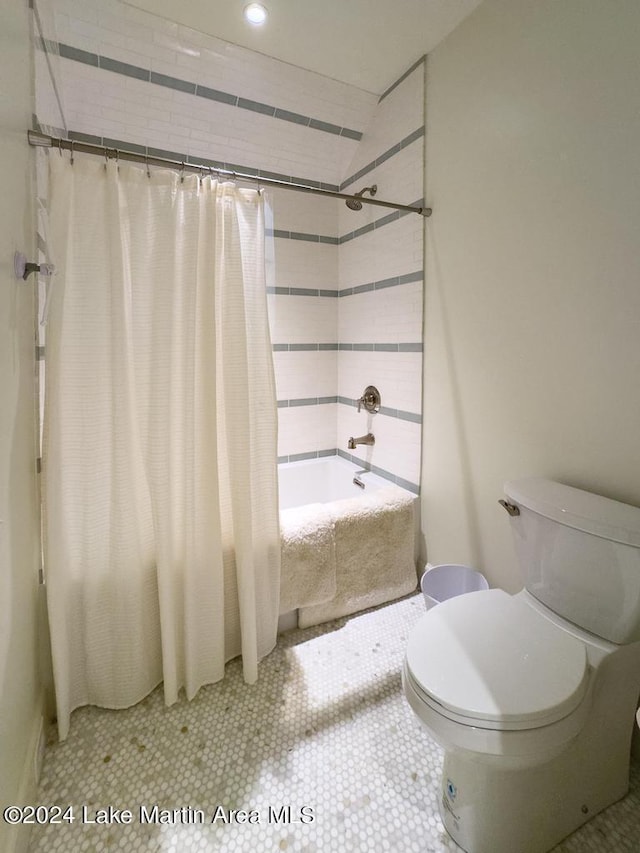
{"x": 529, "y": 806}
{"x": 512, "y": 794}
{"x": 489, "y": 809}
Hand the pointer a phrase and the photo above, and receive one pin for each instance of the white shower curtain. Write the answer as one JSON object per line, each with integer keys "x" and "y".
{"x": 162, "y": 550}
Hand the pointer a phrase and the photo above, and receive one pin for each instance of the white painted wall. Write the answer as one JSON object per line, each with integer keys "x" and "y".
{"x": 533, "y": 266}
{"x": 20, "y": 694}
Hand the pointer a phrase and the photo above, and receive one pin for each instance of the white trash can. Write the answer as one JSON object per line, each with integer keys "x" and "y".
{"x": 442, "y": 582}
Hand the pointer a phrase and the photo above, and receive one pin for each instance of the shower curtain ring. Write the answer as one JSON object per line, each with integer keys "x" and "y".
{"x": 182, "y": 173}
{"x": 60, "y": 146}
{"x": 71, "y": 160}
{"x": 146, "y": 160}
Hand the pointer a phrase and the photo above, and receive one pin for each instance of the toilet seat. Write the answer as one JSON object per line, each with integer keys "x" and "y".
{"x": 489, "y": 660}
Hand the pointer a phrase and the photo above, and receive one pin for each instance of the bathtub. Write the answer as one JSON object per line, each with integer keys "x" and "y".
{"x": 376, "y": 537}
{"x": 324, "y": 480}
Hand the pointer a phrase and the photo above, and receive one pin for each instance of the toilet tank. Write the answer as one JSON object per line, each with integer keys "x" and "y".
{"x": 580, "y": 555}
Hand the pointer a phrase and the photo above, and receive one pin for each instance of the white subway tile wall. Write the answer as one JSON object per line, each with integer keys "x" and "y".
{"x": 100, "y": 26}
{"x": 397, "y": 375}
{"x": 320, "y": 315}
{"x": 397, "y": 441}
{"x": 300, "y": 375}
{"x": 397, "y": 116}
{"x": 302, "y": 263}
{"x": 305, "y": 429}
{"x": 345, "y": 309}
{"x": 318, "y": 214}
{"x": 392, "y": 259}
{"x": 394, "y": 250}
{"x": 48, "y": 95}
{"x": 393, "y": 315}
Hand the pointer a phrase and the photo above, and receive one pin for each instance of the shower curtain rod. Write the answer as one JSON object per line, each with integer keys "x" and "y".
{"x": 42, "y": 140}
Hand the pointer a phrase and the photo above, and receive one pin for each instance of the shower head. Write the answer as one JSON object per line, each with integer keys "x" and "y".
{"x": 354, "y": 203}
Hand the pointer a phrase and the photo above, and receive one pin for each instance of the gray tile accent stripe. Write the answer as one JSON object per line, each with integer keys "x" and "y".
{"x": 381, "y": 472}
{"x": 216, "y": 95}
{"x": 374, "y": 347}
{"x": 402, "y": 78}
{"x": 123, "y": 145}
{"x": 385, "y": 410}
{"x": 352, "y": 235}
{"x": 108, "y": 64}
{"x": 312, "y": 454}
{"x": 379, "y": 223}
{"x": 97, "y": 60}
{"x": 302, "y": 347}
{"x": 382, "y": 284}
{"x": 302, "y": 291}
{"x": 170, "y": 82}
{"x": 347, "y": 401}
{"x": 413, "y": 417}
{"x": 296, "y": 118}
{"x": 306, "y": 401}
{"x": 256, "y": 107}
{"x": 299, "y": 457}
{"x": 85, "y": 137}
{"x": 326, "y": 126}
{"x": 351, "y": 134}
{"x": 68, "y": 52}
{"x": 416, "y": 134}
{"x": 408, "y": 485}
{"x": 335, "y": 451}
{"x": 300, "y": 235}
{"x": 52, "y": 130}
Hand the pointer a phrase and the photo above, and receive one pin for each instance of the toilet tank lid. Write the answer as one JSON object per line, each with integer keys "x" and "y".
{"x": 586, "y": 511}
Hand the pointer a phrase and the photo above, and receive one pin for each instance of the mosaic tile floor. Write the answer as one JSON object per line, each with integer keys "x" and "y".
{"x": 325, "y": 733}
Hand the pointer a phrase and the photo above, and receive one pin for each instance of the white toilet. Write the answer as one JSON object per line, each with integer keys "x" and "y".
{"x": 533, "y": 696}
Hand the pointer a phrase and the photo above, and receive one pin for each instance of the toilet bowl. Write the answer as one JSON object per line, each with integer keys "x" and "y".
{"x": 534, "y": 709}
{"x": 521, "y": 698}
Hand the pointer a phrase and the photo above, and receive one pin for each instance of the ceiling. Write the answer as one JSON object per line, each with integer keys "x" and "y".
{"x": 366, "y": 43}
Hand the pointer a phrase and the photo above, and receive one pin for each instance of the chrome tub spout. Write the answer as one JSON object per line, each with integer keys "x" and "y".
{"x": 363, "y": 439}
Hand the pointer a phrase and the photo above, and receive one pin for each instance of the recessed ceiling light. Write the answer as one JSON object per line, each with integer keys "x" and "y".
{"x": 255, "y": 13}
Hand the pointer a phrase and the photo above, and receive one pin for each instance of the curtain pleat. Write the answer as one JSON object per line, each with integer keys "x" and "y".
{"x": 159, "y": 462}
